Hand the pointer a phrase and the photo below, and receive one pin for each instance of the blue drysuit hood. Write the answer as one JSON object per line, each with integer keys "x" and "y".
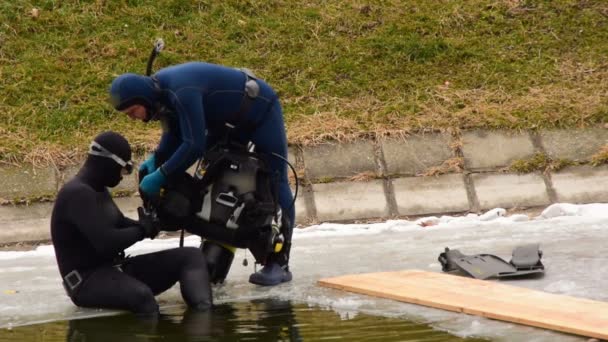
{"x": 129, "y": 89}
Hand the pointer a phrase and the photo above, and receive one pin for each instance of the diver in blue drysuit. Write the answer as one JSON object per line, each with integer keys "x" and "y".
{"x": 194, "y": 101}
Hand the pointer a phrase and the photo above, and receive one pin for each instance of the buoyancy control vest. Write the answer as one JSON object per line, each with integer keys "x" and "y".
{"x": 233, "y": 192}
{"x": 237, "y": 187}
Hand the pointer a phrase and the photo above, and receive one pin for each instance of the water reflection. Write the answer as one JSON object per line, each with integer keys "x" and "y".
{"x": 259, "y": 320}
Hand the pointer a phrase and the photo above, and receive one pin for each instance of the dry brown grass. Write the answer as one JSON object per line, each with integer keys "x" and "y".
{"x": 345, "y": 70}
{"x": 344, "y": 120}
{"x": 452, "y": 165}
{"x": 446, "y": 108}
{"x": 601, "y": 157}
{"x": 364, "y": 177}
{"x": 38, "y": 155}
{"x": 571, "y": 101}
{"x": 43, "y": 154}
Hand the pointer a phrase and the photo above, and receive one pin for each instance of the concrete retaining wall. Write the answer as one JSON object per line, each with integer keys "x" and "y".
{"x": 385, "y": 178}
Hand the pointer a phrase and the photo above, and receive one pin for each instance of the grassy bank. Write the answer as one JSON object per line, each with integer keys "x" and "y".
{"x": 343, "y": 68}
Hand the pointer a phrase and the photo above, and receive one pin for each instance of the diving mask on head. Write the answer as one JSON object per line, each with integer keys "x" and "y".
{"x": 96, "y": 149}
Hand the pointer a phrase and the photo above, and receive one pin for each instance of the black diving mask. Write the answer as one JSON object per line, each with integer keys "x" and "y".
{"x": 96, "y": 149}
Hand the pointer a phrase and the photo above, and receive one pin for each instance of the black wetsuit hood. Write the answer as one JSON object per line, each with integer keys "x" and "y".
{"x": 100, "y": 172}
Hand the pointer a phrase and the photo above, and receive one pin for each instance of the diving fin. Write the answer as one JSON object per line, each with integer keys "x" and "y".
{"x": 527, "y": 257}
{"x": 525, "y": 261}
{"x": 480, "y": 266}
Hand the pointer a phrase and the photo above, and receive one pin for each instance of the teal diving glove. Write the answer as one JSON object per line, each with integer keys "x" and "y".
{"x": 152, "y": 183}
{"x": 148, "y": 166}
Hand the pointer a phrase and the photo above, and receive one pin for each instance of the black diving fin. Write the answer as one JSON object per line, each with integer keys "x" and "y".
{"x": 525, "y": 261}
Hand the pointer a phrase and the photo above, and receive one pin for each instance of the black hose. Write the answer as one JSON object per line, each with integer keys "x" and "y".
{"x": 295, "y": 196}
{"x": 158, "y": 47}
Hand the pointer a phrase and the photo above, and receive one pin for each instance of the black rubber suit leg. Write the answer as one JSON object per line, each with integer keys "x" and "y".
{"x": 219, "y": 259}
{"x": 110, "y": 288}
{"x": 161, "y": 270}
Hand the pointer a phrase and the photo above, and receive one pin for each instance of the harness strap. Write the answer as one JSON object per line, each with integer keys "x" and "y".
{"x": 251, "y": 92}
{"x": 74, "y": 279}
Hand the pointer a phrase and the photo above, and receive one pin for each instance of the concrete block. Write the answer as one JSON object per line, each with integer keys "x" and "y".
{"x": 339, "y": 160}
{"x": 581, "y": 184}
{"x": 350, "y": 200}
{"x": 431, "y": 195}
{"x": 574, "y": 144}
{"x": 291, "y": 156}
{"x": 510, "y": 190}
{"x": 491, "y": 150}
{"x": 27, "y": 182}
{"x": 25, "y": 222}
{"x": 20, "y": 212}
{"x": 302, "y": 215}
{"x": 415, "y": 154}
{"x": 34, "y": 229}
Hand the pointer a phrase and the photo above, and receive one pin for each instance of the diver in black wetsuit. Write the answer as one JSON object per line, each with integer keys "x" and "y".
{"x": 90, "y": 234}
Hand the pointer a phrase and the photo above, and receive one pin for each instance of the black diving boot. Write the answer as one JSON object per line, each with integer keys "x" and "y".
{"x": 276, "y": 269}
{"x": 271, "y": 274}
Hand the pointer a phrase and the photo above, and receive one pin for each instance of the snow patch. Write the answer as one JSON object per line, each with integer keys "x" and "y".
{"x": 597, "y": 210}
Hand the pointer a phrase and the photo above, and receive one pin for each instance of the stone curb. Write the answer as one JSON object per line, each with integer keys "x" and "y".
{"x": 382, "y": 178}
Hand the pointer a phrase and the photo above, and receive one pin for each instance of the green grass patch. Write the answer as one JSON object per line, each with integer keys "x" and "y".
{"x": 342, "y": 69}
{"x": 539, "y": 162}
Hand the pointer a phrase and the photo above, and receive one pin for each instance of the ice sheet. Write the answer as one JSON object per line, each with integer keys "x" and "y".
{"x": 572, "y": 238}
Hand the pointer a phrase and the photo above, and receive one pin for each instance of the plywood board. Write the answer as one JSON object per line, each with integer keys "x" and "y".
{"x": 482, "y": 298}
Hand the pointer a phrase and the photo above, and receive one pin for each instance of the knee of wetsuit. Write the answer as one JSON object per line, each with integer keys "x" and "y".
{"x": 219, "y": 259}
{"x": 191, "y": 256}
{"x": 142, "y": 302}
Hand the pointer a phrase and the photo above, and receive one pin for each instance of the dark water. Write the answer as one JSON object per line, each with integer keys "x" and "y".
{"x": 264, "y": 320}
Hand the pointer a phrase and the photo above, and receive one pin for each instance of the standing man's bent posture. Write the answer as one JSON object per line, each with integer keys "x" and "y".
{"x": 194, "y": 101}
{"x": 90, "y": 234}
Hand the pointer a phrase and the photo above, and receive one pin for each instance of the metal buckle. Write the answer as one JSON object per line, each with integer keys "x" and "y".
{"x": 72, "y": 280}
{"x": 227, "y": 199}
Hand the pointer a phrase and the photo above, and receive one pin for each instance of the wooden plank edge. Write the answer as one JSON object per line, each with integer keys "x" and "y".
{"x": 453, "y": 308}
